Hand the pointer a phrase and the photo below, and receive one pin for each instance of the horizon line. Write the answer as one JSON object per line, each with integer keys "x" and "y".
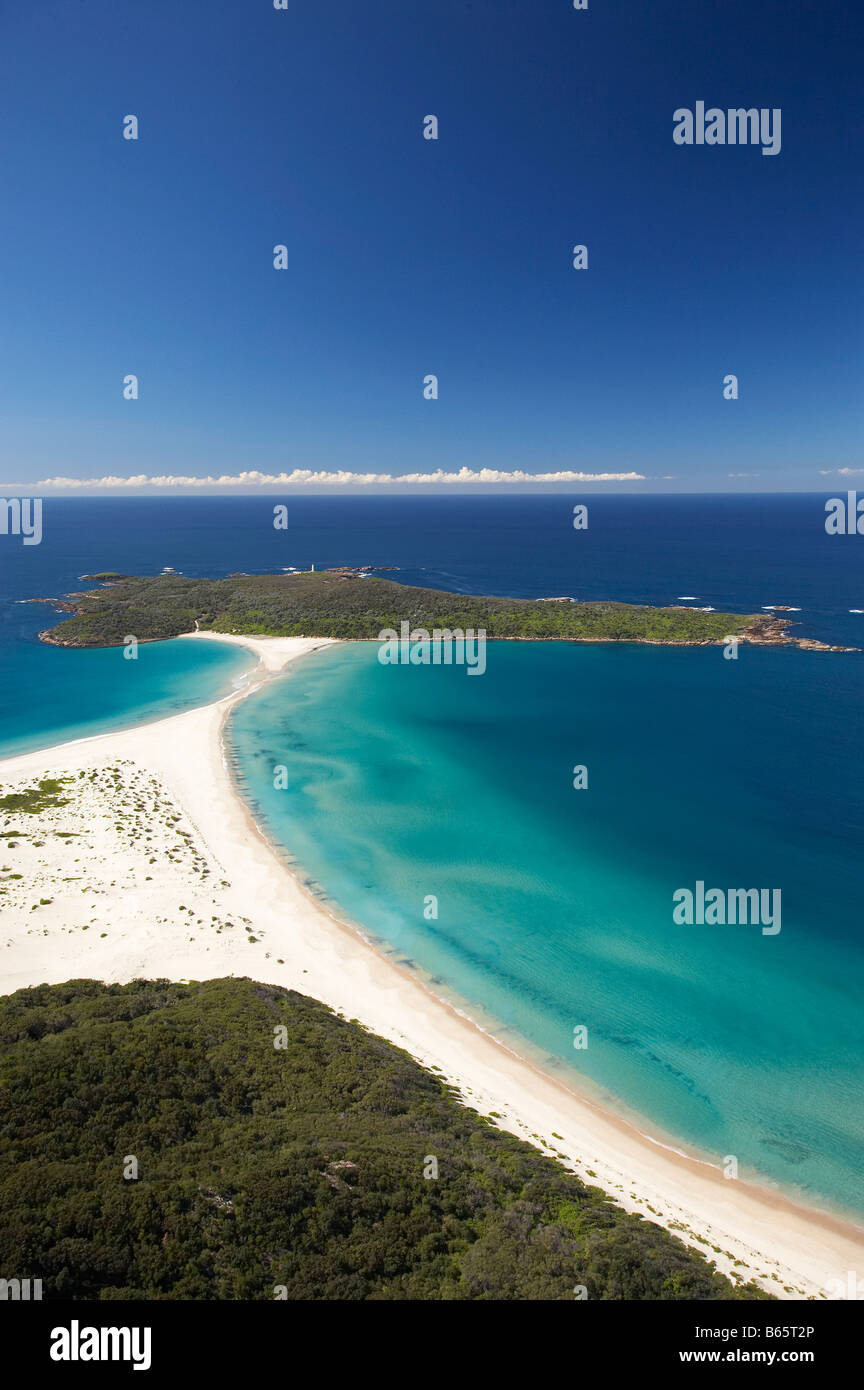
{"x": 31, "y": 490}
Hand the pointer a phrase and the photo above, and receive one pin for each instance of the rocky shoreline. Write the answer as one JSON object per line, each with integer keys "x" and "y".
{"x": 771, "y": 632}
{"x": 760, "y": 639}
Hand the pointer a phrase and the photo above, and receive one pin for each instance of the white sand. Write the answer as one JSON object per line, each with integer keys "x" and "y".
{"x": 166, "y": 875}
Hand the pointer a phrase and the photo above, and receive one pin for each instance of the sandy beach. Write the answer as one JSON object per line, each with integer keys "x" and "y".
{"x": 155, "y": 868}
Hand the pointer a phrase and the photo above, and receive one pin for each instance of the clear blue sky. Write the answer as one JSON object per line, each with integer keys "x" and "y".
{"x": 409, "y": 257}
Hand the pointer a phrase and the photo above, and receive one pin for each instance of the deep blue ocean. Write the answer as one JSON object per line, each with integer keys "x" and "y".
{"x": 554, "y": 906}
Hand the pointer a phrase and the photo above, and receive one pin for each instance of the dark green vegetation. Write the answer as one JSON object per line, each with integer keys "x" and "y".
{"x": 33, "y": 800}
{"x": 335, "y": 604}
{"x": 301, "y": 1167}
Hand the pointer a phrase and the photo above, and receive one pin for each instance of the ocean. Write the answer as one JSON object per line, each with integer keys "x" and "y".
{"x": 438, "y": 810}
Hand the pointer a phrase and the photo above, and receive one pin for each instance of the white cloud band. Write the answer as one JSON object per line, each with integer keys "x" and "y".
{"x": 305, "y": 477}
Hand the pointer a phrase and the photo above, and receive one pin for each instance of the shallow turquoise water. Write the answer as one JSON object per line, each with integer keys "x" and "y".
{"x": 555, "y": 905}
{"x": 51, "y": 695}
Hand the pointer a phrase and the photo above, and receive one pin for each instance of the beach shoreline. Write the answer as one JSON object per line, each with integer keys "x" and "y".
{"x": 293, "y": 940}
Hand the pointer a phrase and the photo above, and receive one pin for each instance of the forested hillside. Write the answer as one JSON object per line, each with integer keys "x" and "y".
{"x": 298, "y": 1168}
{"x": 335, "y": 603}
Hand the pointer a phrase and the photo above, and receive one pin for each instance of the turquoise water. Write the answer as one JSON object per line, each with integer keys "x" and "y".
{"x": 50, "y": 695}
{"x": 555, "y": 905}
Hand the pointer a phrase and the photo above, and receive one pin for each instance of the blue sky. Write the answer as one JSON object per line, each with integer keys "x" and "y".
{"x": 409, "y": 257}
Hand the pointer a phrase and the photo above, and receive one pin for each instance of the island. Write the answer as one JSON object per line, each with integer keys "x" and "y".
{"x": 356, "y": 605}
